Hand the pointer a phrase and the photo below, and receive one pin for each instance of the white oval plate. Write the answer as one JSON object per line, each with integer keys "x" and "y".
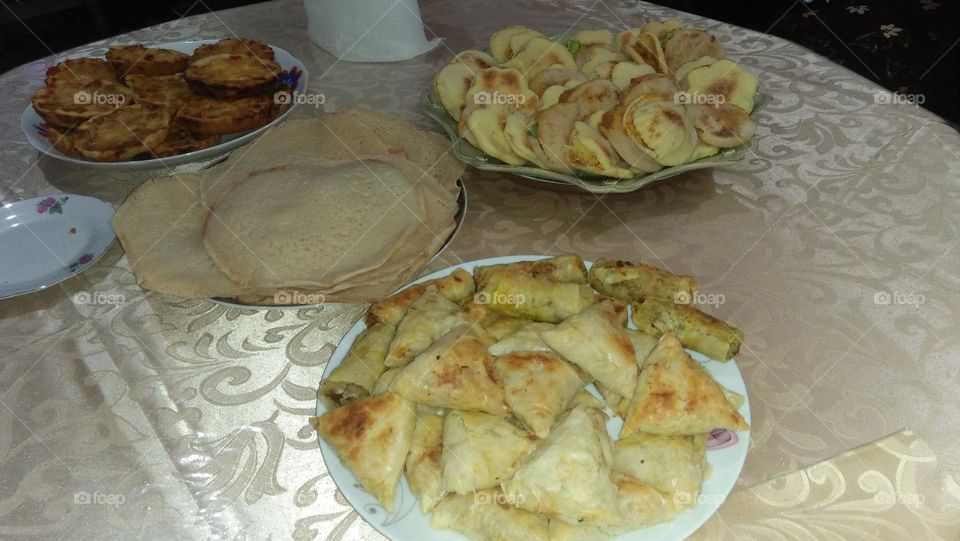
{"x": 726, "y": 454}
{"x": 458, "y": 217}
{"x": 46, "y": 240}
{"x": 294, "y": 72}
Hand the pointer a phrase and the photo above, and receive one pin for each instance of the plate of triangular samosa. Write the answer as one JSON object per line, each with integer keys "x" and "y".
{"x": 536, "y": 398}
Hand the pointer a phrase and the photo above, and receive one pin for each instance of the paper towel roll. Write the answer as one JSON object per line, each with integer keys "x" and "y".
{"x": 368, "y": 30}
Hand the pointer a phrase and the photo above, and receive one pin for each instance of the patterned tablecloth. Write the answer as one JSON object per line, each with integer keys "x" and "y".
{"x": 833, "y": 246}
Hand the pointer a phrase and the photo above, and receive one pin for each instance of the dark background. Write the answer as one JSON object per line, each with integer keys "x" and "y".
{"x": 921, "y": 58}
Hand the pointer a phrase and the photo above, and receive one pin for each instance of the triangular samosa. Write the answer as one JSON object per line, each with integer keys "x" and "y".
{"x": 371, "y": 437}
{"x": 423, "y": 463}
{"x": 676, "y": 396}
{"x": 488, "y": 514}
{"x": 480, "y": 450}
{"x": 526, "y": 338}
{"x": 568, "y": 476}
{"x": 595, "y": 341}
{"x": 537, "y": 386}
{"x": 429, "y": 318}
{"x": 674, "y": 465}
{"x": 455, "y": 372}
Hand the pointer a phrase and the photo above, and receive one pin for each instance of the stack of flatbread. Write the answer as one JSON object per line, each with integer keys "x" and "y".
{"x": 341, "y": 208}
{"x": 474, "y": 388}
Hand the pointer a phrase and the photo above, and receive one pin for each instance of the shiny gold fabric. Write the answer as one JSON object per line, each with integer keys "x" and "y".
{"x": 833, "y": 246}
{"x": 890, "y": 489}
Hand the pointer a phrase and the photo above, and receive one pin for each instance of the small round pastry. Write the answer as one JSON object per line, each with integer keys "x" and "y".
{"x": 159, "y": 89}
{"x": 66, "y": 102}
{"x": 234, "y": 46}
{"x": 123, "y": 134}
{"x": 232, "y": 76}
{"x": 208, "y": 116}
{"x": 62, "y": 140}
{"x": 81, "y": 69}
{"x": 137, "y": 59}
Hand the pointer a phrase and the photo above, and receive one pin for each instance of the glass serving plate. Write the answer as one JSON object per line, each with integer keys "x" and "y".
{"x": 431, "y": 106}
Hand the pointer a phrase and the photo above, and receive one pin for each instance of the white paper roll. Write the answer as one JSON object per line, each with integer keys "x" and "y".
{"x": 368, "y": 30}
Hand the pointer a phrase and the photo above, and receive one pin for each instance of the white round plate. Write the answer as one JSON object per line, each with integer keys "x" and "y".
{"x": 294, "y": 73}
{"x": 726, "y": 452}
{"x": 458, "y": 218}
{"x": 46, "y": 240}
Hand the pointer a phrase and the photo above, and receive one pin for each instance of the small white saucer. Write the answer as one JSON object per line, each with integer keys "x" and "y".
{"x": 45, "y": 240}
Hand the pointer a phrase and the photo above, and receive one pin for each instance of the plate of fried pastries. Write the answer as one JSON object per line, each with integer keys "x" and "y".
{"x": 604, "y": 111}
{"x": 162, "y": 105}
{"x": 536, "y": 398}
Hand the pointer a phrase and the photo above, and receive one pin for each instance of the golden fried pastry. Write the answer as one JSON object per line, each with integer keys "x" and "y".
{"x": 130, "y": 59}
{"x": 554, "y": 126}
{"x": 208, "y": 116}
{"x": 67, "y": 102}
{"x": 477, "y": 60}
{"x": 81, "y": 69}
{"x": 646, "y": 49}
{"x": 547, "y": 78}
{"x": 611, "y": 126}
{"x": 232, "y": 76}
{"x": 507, "y": 42}
{"x": 123, "y": 134}
{"x": 724, "y": 79}
{"x": 661, "y": 129}
{"x": 652, "y": 84}
{"x": 722, "y": 125}
{"x": 592, "y": 96}
{"x": 689, "y": 45}
{"x": 62, "y": 140}
{"x": 590, "y": 152}
{"x": 180, "y": 142}
{"x": 234, "y": 46}
{"x": 159, "y": 89}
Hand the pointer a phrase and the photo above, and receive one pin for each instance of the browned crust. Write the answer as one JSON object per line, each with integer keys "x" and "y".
{"x": 159, "y": 89}
{"x": 180, "y": 142}
{"x": 78, "y": 69}
{"x": 207, "y": 116}
{"x": 62, "y": 141}
{"x": 234, "y": 46}
{"x": 58, "y": 104}
{"x": 219, "y": 75}
{"x": 137, "y": 59}
{"x": 123, "y": 134}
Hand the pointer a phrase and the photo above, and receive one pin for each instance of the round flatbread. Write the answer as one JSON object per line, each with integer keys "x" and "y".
{"x": 308, "y": 225}
{"x": 159, "y": 227}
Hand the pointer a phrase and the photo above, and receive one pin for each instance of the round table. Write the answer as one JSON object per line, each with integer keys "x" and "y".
{"x": 833, "y": 247}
